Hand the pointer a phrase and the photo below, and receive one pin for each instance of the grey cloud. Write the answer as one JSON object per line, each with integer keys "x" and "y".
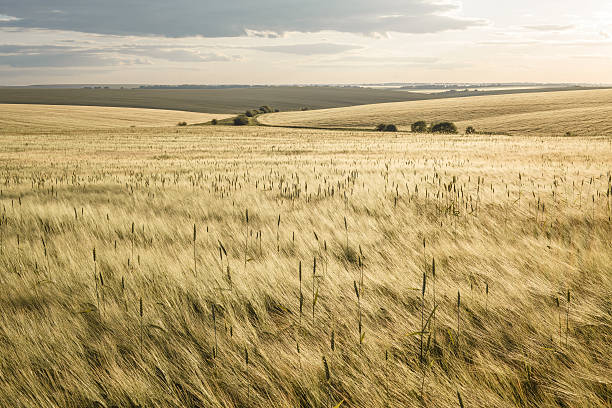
{"x": 268, "y": 18}
{"x": 308, "y": 49}
{"x": 4, "y": 17}
{"x": 549, "y": 27}
{"x": 70, "y": 59}
{"x": 16, "y": 55}
{"x": 173, "y": 54}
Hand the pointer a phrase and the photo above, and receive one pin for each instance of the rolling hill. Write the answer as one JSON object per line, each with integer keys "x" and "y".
{"x": 234, "y": 100}
{"x": 580, "y": 112}
{"x": 17, "y": 116}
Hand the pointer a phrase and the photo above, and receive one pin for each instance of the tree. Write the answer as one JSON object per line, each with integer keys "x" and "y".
{"x": 214, "y": 122}
{"x": 241, "y": 120}
{"x": 444, "y": 127}
{"x": 419, "y": 127}
{"x": 381, "y": 127}
{"x": 470, "y": 130}
{"x": 391, "y": 128}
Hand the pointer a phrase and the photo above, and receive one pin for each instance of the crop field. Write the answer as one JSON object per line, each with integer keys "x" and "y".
{"x": 26, "y": 118}
{"x": 257, "y": 267}
{"x": 583, "y": 113}
{"x": 233, "y": 100}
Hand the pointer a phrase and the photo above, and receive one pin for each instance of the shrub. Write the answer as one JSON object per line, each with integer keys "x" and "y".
{"x": 241, "y": 120}
{"x": 214, "y": 122}
{"x": 250, "y": 113}
{"x": 391, "y": 128}
{"x": 381, "y": 127}
{"x": 470, "y": 130}
{"x": 444, "y": 127}
{"x": 419, "y": 127}
{"x": 181, "y": 124}
{"x": 265, "y": 109}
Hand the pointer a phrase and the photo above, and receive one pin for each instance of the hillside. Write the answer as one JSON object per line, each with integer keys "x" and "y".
{"x": 16, "y": 116}
{"x": 236, "y": 100}
{"x": 584, "y": 112}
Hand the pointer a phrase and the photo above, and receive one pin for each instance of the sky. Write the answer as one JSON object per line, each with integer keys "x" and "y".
{"x": 304, "y": 41}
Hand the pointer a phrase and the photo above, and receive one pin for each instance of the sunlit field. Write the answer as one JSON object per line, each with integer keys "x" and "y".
{"x": 259, "y": 267}
{"x": 581, "y": 113}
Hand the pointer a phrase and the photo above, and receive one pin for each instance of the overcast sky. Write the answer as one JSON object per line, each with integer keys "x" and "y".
{"x": 304, "y": 41}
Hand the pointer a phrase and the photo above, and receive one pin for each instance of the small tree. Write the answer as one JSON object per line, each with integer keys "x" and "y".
{"x": 381, "y": 127}
{"x": 241, "y": 120}
{"x": 181, "y": 124}
{"x": 419, "y": 127}
{"x": 444, "y": 127}
{"x": 391, "y": 128}
{"x": 265, "y": 109}
{"x": 214, "y": 122}
{"x": 470, "y": 130}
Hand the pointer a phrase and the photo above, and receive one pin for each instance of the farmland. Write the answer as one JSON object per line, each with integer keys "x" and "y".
{"x": 258, "y": 266}
{"x": 59, "y": 117}
{"x": 234, "y": 100}
{"x": 585, "y": 112}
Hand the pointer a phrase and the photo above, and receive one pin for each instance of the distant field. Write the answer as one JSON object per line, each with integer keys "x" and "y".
{"x": 229, "y": 100}
{"x": 15, "y": 116}
{"x": 585, "y": 112}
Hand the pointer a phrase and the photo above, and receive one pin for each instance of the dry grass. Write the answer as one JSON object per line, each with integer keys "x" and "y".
{"x": 527, "y": 239}
{"x": 584, "y": 113}
{"x": 44, "y": 117}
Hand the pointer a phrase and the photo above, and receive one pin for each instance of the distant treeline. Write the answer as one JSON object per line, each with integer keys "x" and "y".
{"x": 476, "y": 85}
{"x": 200, "y": 86}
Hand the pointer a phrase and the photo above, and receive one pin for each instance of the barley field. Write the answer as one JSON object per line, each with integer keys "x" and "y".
{"x": 580, "y": 112}
{"x": 26, "y": 118}
{"x": 268, "y": 267}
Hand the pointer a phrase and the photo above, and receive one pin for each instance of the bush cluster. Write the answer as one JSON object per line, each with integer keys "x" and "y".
{"x": 440, "y": 127}
{"x": 386, "y": 128}
{"x": 262, "y": 109}
{"x": 241, "y": 120}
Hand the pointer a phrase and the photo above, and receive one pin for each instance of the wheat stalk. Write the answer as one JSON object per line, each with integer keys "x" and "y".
{"x": 141, "y": 317}
{"x": 96, "y": 279}
{"x": 195, "y": 265}
{"x": 567, "y": 317}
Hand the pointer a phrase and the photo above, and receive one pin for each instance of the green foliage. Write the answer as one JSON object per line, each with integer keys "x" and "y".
{"x": 470, "y": 130}
{"x": 419, "y": 127}
{"x": 386, "y": 128}
{"x": 214, "y": 122}
{"x": 444, "y": 127}
{"x": 241, "y": 120}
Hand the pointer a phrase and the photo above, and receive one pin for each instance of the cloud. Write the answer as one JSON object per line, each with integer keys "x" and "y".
{"x": 21, "y": 56}
{"x": 178, "y": 54}
{"x": 267, "y": 18}
{"x": 5, "y": 18}
{"x": 308, "y": 49}
{"x": 67, "y": 59}
{"x": 549, "y": 27}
